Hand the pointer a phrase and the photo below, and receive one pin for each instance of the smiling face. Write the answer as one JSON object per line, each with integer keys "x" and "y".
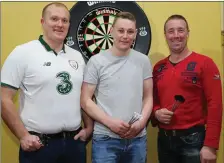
{"x": 176, "y": 33}
{"x": 55, "y": 23}
{"x": 123, "y": 33}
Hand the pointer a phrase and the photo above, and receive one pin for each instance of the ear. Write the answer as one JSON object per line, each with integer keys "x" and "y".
{"x": 136, "y": 32}
{"x": 42, "y": 21}
{"x": 112, "y": 31}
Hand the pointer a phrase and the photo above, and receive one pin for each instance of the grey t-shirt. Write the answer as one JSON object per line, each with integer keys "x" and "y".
{"x": 119, "y": 85}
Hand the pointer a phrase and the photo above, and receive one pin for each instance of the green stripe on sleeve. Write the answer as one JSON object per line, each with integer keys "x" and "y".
{"x": 9, "y": 86}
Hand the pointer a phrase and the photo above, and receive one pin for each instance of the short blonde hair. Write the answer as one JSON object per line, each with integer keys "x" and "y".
{"x": 124, "y": 15}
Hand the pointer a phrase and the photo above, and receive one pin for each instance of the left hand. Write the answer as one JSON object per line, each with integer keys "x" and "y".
{"x": 208, "y": 155}
{"x": 83, "y": 134}
{"x": 134, "y": 130}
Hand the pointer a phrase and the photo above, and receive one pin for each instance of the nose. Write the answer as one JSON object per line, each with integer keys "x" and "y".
{"x": 176, "y": 34}
{"x": 125, "y": 34}
{"x": 60, "y": 23}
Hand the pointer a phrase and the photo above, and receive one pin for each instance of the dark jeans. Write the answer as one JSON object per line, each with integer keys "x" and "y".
{"x": 111, "y": 150}
{"x": 61, "y": 150}
{"x": 180, "y": 149}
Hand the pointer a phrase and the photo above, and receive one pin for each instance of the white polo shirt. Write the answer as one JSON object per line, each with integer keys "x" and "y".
{"x": 49, "y": 83}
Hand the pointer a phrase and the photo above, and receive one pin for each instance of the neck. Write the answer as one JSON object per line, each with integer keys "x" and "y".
{"x": 177, "y": 57}
{"x": 56, "y": 46}
{"x": 118, "y": 52}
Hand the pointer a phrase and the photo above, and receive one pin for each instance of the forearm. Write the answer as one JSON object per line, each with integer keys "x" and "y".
{"x": 88, "y": 122}
{"x": 12, "y": 119}
{"x": 147, "y": 109}
{"x": 95, "y": 112}
{"x": 214, "y": 125}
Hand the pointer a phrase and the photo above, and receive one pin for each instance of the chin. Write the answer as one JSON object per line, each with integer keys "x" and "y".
{"x": 59, "y": 39}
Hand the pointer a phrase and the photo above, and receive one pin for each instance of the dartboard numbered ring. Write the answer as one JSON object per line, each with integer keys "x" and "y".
{"x": 90, "y": 26}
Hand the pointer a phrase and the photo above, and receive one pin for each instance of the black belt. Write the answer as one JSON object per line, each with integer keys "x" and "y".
{"x": 64, "y": 134}
{"x": 182, "y": 132}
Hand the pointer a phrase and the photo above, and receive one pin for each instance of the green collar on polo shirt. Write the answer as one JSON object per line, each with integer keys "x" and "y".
{"x": 47, "y": 47}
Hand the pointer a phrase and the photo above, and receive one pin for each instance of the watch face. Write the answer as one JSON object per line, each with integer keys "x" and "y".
{"x": 91, "y": 23}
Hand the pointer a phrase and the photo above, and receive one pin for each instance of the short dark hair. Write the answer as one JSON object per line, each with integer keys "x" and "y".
{"x": 176, "y": 16}
{"x": 58, "y": 4}
{"x": 124, "y": 15}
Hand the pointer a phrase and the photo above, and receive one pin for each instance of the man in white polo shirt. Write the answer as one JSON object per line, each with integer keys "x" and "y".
{"x": 49, "y": 75}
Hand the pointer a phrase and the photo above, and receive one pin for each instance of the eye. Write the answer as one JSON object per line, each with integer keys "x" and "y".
{"x": 121, "y": 31}
{"x": 54, "y": 18}
{"x": 181, "y": 30}
{"x": 65, "y": 21}
{"x": 170, "y": 31}
{"x": 130, "y": 32}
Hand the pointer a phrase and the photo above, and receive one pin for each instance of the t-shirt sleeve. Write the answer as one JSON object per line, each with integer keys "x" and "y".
{"x": 91, "y": 74}
{"x": 13, "y": 69}
{"x": 147, "y": 68}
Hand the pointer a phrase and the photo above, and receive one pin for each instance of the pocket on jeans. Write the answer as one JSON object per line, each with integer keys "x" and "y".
{"x": 98, "y": 137}
{"x": 193, "y": 138}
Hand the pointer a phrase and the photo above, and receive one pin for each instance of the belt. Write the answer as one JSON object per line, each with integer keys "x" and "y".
{"x": 182, "y": 132}
{"x": 63, "y": 134}
{"x": 44, "y": 138}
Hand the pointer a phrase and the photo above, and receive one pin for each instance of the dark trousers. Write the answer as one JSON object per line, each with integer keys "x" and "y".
{"x": 184, "y": 148}
{"x": 58, "y": 150}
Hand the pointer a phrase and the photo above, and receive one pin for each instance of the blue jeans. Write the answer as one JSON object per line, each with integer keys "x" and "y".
{"x": 180, "y": 149}
{"x": 63, "y": 150}
{"x": 111, "y": 150}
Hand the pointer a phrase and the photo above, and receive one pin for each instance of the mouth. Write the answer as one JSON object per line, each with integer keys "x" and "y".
{"x": 59, "y": 31}
{"x": 124, "y": 42}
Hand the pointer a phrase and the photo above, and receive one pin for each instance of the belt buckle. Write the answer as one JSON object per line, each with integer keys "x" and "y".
{"x": 174, "y": 132}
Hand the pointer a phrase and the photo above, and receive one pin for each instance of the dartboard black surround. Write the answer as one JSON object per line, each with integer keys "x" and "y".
{"x": 91, "y": 21}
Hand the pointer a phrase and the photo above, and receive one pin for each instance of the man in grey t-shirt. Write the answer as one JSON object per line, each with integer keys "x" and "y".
{"x": 121, "y": 80}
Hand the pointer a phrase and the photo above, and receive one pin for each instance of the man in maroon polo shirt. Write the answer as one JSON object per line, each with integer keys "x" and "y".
{"x": 189, "y": 132}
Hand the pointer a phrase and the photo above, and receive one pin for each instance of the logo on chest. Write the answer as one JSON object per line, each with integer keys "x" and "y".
{"x": 73, "y": 64}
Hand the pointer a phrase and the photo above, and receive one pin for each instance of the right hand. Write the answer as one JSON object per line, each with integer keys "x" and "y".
{"x": 163, "y": 115}
{"x": 30, "y": 142}
{"x": 118, "y": 126}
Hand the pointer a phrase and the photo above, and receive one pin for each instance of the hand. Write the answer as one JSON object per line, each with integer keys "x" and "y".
{"x": 163, "y": 115}
{"x": 208, "y": 155}
{"x": 83, "y": 135}
{"x": 30, "y": 142}
{"x": 134, "y": 130}
{"x": 118, "y": 126}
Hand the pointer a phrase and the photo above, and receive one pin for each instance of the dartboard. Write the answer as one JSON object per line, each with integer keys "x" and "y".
{"x": 91, "y": 22}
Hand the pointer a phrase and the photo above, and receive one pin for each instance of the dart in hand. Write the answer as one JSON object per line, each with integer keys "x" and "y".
{"x": 135, "y": 117}
{"x": 179, "y": 99}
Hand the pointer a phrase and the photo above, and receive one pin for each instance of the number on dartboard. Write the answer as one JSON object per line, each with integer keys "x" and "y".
{"x": 65, "y": 86}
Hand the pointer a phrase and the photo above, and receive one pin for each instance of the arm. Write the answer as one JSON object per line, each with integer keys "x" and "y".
{"x": 147, "y": 101}
{"x": 156, "y": 105}
{"x": 89, "y": 106}
{"x": 85, "y": 133}
{"x": 88, "y": 122}
{"x": 97, "y": 114}
{"x": 9, "y": 113}
{"x": 211, "y": 82}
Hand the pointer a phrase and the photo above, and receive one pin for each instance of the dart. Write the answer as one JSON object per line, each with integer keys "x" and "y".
{"x": 179, "y": 99}
{"x": 134, "y": 118}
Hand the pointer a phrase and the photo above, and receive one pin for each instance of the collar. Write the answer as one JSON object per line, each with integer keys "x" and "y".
{"x": 47, "y": 47}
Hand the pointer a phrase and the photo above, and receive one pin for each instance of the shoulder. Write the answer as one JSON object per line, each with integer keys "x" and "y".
{"x": 138, "y": 55}
{"x": 201, "y": 58}
{"x": 99, "y": 58}
{"x": 160, "y": 63}
{"x": 22, "y": 50}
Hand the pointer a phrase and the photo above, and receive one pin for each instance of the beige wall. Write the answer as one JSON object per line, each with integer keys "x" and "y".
{"x": 21, "y": 23}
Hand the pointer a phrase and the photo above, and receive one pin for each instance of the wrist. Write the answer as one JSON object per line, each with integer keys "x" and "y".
{"x": 23, "y": 134}
{"x": 156, "y": 114}
{"x": 210, "y": 148}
